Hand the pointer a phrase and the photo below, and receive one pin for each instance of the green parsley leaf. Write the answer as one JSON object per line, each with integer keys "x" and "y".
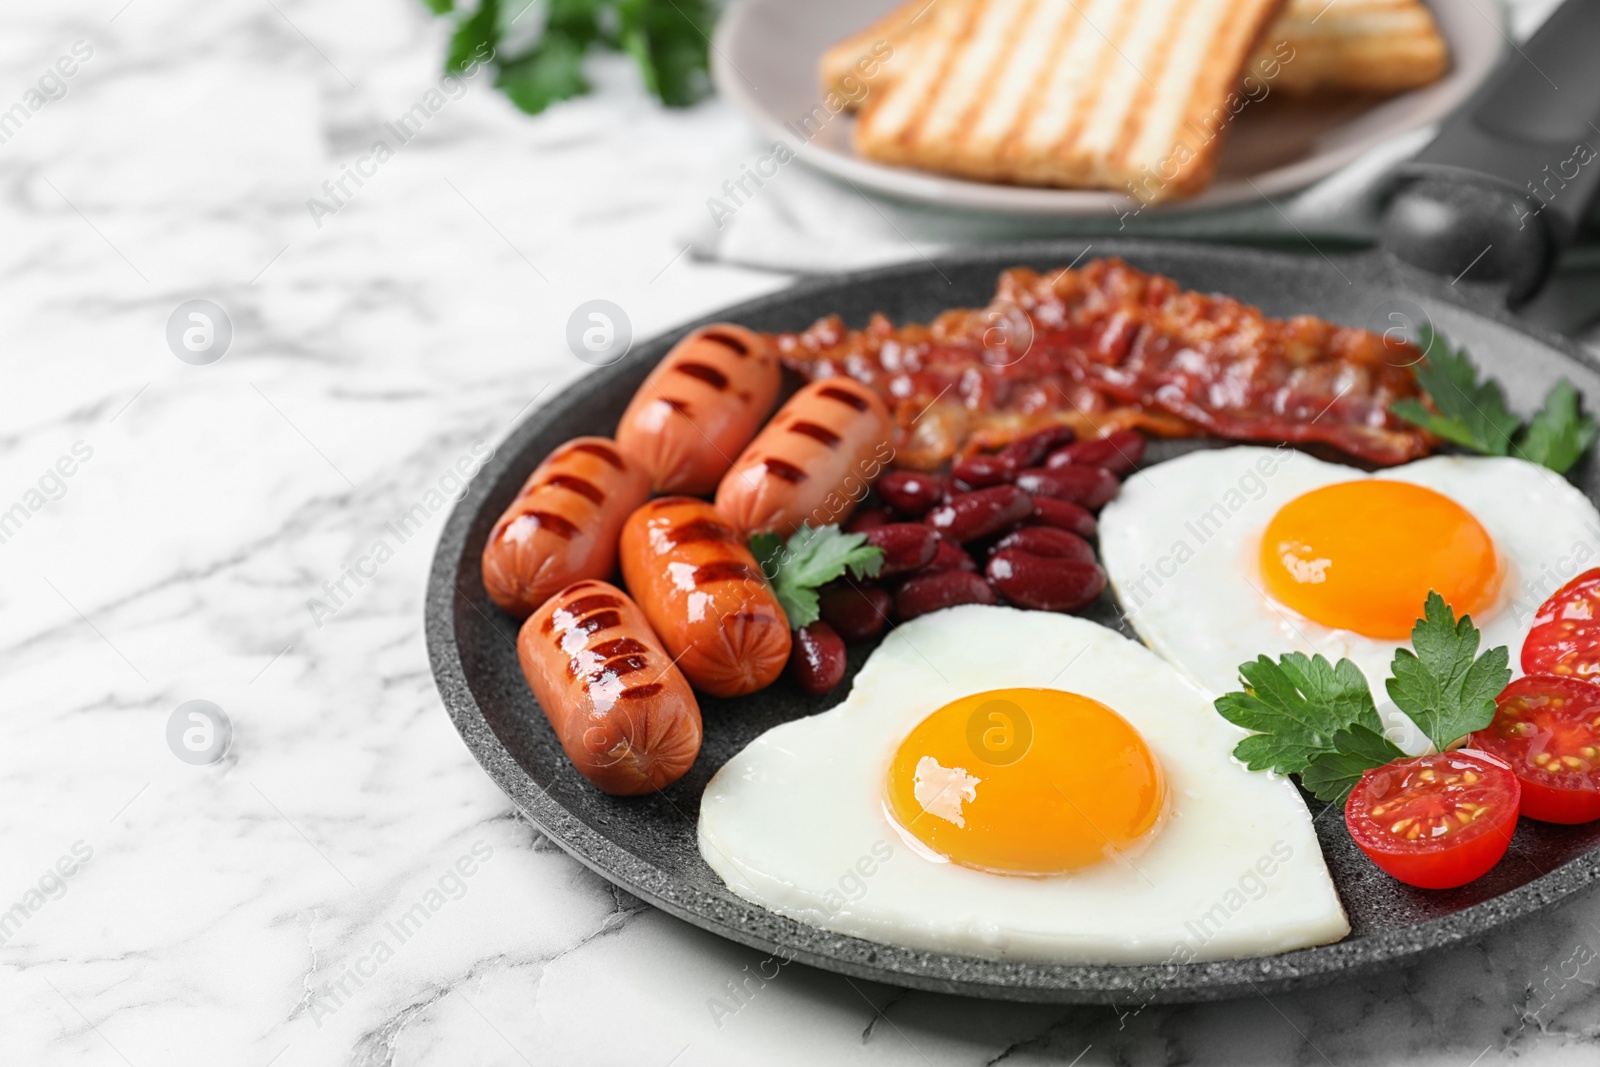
{"x": 1474, "y": 414}
{"x": 1356, "y": 748}
{"x": 1296, "y": 706}
{"x": 812, "y": 558}
{"x": 669, "y": 41}
{"x": 1559, "y": 433}
{"x": 475, "y": 38}
{"x": 552, "y": 71}
{"x": 765, "y": 547}
{"x": 1471, "y": 413}
{"x": 1445, "y": 687}
{"x": 577, "y": 20}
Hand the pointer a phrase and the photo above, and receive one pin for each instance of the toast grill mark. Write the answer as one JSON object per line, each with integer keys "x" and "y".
{"x": 727, "y": 341}
{"x": 594, "y": 448}
{"x": 728, "y": 570}
{"x": 816, "y": 433}
{"x": 844, "y": 396}
{"x": 786, "y": 471}
{"x": 573, "y": 484}
{"x": 705, "y": 372}
{"x": 600, "y": 620}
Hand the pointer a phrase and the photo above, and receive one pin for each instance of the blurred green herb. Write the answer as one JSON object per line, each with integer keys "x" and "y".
{"x": 668, "y": 40}
{"x": 1474, "y": 415}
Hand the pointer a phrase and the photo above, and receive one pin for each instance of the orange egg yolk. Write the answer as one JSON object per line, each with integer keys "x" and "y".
{"x": 1026, "y": 781}
{"x": 1363, "y": 555}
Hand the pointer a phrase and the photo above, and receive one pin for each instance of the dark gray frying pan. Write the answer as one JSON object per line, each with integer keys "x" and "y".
{"x": 1462, "y": 212}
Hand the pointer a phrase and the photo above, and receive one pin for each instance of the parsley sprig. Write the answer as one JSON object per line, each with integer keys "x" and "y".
{"x": 667, "y": 39}
{"x": 1474, "y": 414}
{"x": 1318, "y": 720}
{"x": 811, "y": 558}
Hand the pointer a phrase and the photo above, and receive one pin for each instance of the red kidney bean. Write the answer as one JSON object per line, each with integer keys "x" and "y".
{"x": 910, "y": 493}
{"x": 1063, "y": 515}
{"x": 907, "y": 546}
{"x": 980, "y": 472}
{"x": 1031, "y": 581}
{"x": 949, "y": 557}
{"x": 1047, "y": 542}
{"x": 856, "y": 612}
{"x": 1089, "y": 487}
{"x": 1117, "y": 452}
{"x": 868, "y": 519}
{"x": 923, "y": 593}
{"x": 981, "y": 512}
{"x": 1029, "y": 451}
{"x": 817, "y": 660}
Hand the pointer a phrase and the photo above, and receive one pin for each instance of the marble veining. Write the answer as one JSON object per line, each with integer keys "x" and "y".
{"x": 345, "y": 886}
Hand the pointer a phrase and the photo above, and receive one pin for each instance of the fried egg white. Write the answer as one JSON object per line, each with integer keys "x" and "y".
{"x": 1183, "y": 546}
{"x": 805, "y": 821}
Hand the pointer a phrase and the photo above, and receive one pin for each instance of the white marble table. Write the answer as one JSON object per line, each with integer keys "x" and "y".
{"x": 177, "y": 520}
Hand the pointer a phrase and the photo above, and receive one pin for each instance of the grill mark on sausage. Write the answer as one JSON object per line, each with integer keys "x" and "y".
{"x": 642, "y": 692}
{"x": 623, "y": 665}
{"x": 595, "y": 448}
{"x": 584, "y": 605}
{"x": 705, "y": 372}
{"x": 549, "y": 520}
{"x": 620, "y": 646}
{"x": 816, "y": 433}
{"x": 785, "y": 470}
{"x": 727, "y": 340}
{"x": 725, "y": 570}
{"x": 550, "y": 619}
{"x": 573, "y": 484}
{"x": 844, "y": 396}
{"x": 700, "y": 530}
{"x": 600, "y": 620}
{"x": 680, "y": 406}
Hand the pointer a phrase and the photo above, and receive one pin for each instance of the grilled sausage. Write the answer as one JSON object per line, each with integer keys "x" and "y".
{"x": 563, "y": 525}
{"x": 624, "y": 714}
{"x": 700, "y": 406}
{"x": 813, "y": 463}
{"x": 705, "y": 595}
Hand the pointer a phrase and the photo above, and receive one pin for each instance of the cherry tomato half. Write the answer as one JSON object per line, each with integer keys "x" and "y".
{"x": 1547, "y": 730}
{"x": 1565, "y": 639}
{"x": 1437, "y": 821}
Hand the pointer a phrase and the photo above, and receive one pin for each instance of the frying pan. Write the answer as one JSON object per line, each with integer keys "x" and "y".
{"x": 1466, "y": 237}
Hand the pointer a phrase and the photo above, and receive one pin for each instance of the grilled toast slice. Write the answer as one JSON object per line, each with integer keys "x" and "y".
{"x": 1132, "y": 95}
{"x": 1371, "y": 46}
{"x": 847, "y": 68}
{"x": 1364, "y": 46}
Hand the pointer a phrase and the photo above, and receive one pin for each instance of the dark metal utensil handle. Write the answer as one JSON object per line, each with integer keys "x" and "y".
{"x": 1513, "y": 172}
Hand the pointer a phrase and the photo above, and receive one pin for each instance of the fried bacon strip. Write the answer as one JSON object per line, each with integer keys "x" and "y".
{"x": 1108, "y": 347}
